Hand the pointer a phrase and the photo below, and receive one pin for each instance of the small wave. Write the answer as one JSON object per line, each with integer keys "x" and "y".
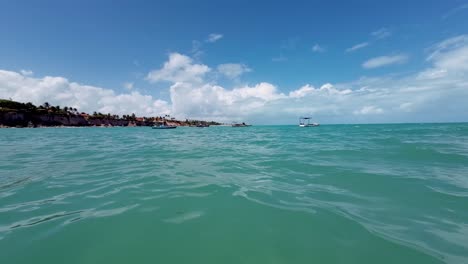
{"x": 185, "y": 217}
{"x": 37, "y": 220}
{"x": 111, "y": 212}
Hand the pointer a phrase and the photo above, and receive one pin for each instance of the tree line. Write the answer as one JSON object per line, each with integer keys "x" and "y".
{"x": 47, "y": 108}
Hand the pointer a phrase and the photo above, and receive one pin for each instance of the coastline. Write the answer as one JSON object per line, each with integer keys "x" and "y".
{"x": 26, "y": 115}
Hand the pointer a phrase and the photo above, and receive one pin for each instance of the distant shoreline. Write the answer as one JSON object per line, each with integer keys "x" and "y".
{"x": 27, "y": 115}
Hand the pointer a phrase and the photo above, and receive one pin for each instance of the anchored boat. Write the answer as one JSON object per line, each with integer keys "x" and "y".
{"x": 240, "y": 125}
{"x": 163, "y": 126}
{"x": 202, "y": 125}
{"x": 305, "y": 122}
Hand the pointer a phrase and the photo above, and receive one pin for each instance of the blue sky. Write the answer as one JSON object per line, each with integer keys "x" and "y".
{"x": 115, "y": 45}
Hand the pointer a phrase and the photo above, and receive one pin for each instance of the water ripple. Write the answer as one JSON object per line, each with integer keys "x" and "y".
{"x": 403, "y": 183}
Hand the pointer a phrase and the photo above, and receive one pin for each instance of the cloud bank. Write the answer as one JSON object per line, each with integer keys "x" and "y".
{"x": 439, "y": 92}
{"x": 60, "y": 91}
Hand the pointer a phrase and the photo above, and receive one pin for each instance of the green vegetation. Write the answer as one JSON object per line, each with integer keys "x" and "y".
{"x": 8, "y": 105}
{"x": 13, "y": 106}
{"x": 31, "y": 113}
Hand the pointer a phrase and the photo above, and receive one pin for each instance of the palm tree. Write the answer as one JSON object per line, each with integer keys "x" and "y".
{"x": 46, "y": 105}
{"x": 30, "y": 106}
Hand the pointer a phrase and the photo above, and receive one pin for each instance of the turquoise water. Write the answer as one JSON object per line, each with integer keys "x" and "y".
{"x": 272, "y": 194}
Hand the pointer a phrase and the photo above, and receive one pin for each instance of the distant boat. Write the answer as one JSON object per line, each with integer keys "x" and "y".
{"x": 240, "y": 125}
{"x": 305, "y": 122}
{"x": 163, "y": 127}
{"x": 202, "y": 125}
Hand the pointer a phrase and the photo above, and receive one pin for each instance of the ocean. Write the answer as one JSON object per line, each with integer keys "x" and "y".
{"x": 395, "y": 193}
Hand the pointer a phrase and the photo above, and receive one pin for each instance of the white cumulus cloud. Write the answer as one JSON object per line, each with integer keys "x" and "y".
{"x": 60, "y": 91}
{"x": 436, "y": 93}
{"x": 179, "y": 68}
{"x": 308, "y": 89}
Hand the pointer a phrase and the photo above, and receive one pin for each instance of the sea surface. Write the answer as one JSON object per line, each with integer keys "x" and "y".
{"x": 393, "y": 193}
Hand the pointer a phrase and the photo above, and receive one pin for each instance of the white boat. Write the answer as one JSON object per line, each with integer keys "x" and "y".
{"x": 163, "y": 126}
{"x": 305, "y": 122}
